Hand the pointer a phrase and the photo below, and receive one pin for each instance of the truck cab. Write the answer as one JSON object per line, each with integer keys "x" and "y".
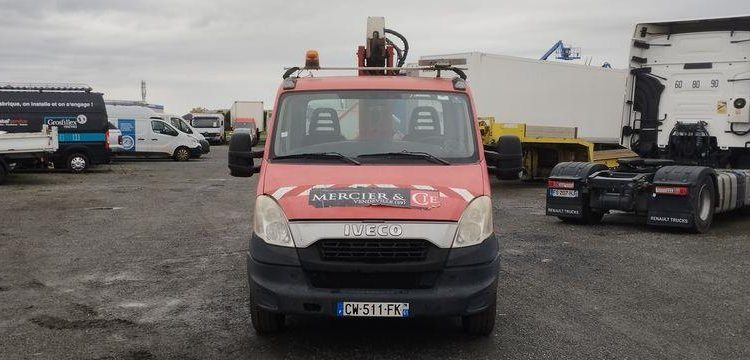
{"x": 373, "y": 200}
{"x": 688, "y": 121}
{"x": 211, "y": 126}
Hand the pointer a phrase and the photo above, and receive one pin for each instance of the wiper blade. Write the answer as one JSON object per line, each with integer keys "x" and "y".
{"x": 410, "y": 154}
{"x": 320, "y": 155}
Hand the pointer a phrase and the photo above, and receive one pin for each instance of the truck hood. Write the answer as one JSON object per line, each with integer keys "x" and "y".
{"x": 376, "y": 192}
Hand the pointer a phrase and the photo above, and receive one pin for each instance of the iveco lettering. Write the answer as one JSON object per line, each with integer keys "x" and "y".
{"x": 373, "y": 198}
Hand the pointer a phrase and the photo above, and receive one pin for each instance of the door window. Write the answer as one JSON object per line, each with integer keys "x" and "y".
{"x": 163, "y": 128}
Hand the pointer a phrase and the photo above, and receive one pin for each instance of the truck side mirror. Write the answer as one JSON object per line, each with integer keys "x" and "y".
{"x": 241, "y": 162}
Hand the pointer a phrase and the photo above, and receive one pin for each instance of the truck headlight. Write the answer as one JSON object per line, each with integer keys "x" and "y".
{"x": 270, "y": 223}
{"x": 475, "y": 224}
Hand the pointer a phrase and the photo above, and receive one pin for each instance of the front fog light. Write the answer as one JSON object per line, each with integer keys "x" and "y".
{"x": 270, "y": 223}
{"x": 475, "y": 224}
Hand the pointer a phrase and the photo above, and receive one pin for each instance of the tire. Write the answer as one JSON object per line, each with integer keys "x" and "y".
{"x": 510, "y": 158}
{"x": 265, "y": 322}
{"x": 181, "y": 154}
{"x": 482, "y": 323}
{"x": 704, "y": 205}
{"x": 3, "y": 173}
{"x": 77, "y": 162}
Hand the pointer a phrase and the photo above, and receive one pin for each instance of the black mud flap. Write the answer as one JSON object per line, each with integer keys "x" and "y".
{"x": 671, "y": 210}
{"x": 572, "y": 202}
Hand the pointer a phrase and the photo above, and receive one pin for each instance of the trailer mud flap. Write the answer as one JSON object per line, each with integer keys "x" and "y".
{"x": 565, "y": 202}
{"x": 666, "y": 210}
{"x": 675, "y": 210}
{"x": 567, "y": 195}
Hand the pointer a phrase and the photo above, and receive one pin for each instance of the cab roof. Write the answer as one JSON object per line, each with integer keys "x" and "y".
{"x": 374, "y": 83}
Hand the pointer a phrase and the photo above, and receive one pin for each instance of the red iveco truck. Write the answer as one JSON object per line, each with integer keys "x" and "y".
{"x": 373, "y": 198}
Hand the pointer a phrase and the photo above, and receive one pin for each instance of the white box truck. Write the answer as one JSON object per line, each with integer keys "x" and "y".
{"x": 246, "y": 113}
{"x": 560, "y": 111}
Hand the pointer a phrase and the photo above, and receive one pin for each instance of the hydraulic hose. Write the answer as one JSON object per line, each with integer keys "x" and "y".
{"x": 399, "y": 54}
{"x": 402, "y": 59}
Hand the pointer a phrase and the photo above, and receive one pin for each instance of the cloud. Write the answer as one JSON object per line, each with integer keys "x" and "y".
{"x": 211, "y": 53}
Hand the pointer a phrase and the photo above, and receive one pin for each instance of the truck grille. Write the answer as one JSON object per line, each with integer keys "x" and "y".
{"x": 373, "y": 251}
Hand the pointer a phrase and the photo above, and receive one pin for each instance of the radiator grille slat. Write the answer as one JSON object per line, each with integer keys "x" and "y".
{"x": 373, "y": 250}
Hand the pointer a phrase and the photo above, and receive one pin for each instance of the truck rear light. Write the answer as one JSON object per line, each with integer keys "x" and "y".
{"x": 554, "y": 184}
{"x": 672, "y": 190}
{"x": 106, "y": 140}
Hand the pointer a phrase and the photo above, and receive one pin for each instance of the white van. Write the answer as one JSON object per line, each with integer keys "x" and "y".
{"x": 210, "y": 125}
{"x": 145, "y": 133}
{"x": 183, "y": 126}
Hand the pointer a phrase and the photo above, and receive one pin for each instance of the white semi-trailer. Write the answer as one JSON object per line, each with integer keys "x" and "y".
{"x": 546, "y": 93}
{"x": 689, "y": 87}
{"x": 557, "y": 111}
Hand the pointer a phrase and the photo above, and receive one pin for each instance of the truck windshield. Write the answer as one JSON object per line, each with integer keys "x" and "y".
{"x": 380, "y": 126}
{"x": 206, "y": 122}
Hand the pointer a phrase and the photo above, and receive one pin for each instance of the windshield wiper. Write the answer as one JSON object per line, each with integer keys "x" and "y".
{"x": 409, "y": 154}
{"x": 320, "y": 155}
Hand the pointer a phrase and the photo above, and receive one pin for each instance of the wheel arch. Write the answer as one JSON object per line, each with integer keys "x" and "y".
{"x": 70, "y": 150}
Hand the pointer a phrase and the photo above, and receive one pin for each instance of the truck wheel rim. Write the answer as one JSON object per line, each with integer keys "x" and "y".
{"x": 77, "y": 163}
{"x": 704, "y": 203}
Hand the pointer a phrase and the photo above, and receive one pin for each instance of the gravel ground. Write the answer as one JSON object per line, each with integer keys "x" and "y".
{"x": 145, "y": 259}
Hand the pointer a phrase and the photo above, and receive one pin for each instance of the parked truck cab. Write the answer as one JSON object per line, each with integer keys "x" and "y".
{"x": 688, "y": 120}
{"x": 373, "y": 200}
{"x": 211, "y": 126}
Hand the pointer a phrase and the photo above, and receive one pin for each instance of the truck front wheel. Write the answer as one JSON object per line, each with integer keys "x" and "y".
{"x": 481, "y": 323}
{"x": 704, "y": 205}
{"x": 264, "y": 321}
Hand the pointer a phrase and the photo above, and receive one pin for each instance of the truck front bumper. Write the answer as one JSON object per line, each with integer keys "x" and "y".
{"x": 278, "y": 283}
{"x": 213, "y": 137}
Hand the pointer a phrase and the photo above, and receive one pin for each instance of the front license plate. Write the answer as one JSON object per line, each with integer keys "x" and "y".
{"x": 372, "y": 309}
{"x": 564, "y": 193}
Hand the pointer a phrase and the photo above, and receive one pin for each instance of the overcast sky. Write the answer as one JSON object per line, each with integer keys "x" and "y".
{"x": 210, "y": 53}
